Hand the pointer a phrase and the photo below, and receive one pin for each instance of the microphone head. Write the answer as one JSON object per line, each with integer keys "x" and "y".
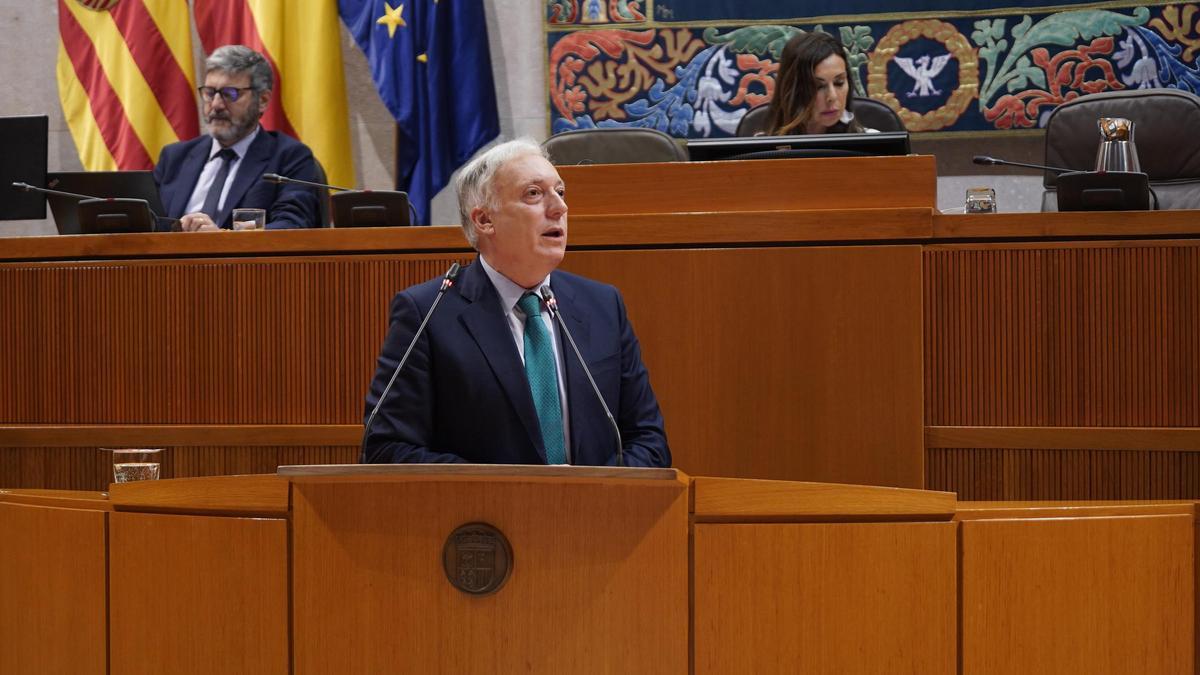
{"x": 271, "y": 177}
{"x": 452, "y": 273}
{"x": 548, "y": 298}
{"x": 984, "y": 159}
{"x": 23, "y": 187}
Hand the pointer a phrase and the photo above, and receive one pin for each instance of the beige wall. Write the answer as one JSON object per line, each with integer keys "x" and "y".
{"x": 29, "y": 35}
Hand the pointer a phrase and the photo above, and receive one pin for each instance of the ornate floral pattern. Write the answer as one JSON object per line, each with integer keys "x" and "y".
{"x": 1007, "y": 71}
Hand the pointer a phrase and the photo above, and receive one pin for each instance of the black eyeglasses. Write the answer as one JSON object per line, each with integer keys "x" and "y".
{"x": 229, "y": 94}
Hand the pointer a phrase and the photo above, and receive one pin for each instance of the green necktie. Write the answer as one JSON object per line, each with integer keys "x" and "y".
{"x": 543, "y": 379}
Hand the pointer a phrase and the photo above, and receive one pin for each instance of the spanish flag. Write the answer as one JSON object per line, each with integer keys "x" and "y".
{"x": 301, "y": 39}
{"x": 126, "y": 80}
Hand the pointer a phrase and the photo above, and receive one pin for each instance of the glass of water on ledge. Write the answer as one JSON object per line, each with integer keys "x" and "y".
{"x": 132, "y": 464}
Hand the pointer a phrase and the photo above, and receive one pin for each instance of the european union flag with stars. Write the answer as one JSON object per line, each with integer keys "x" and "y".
{"x": 430, "y": 63}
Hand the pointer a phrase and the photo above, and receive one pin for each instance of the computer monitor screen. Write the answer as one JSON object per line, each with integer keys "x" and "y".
{"x": 22, "y": 160}
{"x": 811, "y": 145}
{"x": 118, "y": 184}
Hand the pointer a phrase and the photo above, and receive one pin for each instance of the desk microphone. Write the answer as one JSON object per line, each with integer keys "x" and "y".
{"x": 359, "y": 211}
{"x": 91, "y": 199}
{"x": 277, "y": 179}
{"x": 1093, "y": 190}
{"x": 552, "y": 305}
{"x": 448, "y": 280}
{"x": 986, "y": 160}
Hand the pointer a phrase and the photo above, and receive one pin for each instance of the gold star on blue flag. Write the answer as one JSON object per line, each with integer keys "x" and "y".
{"x": 392, "y": 18}
{"x": 435, "y": 77}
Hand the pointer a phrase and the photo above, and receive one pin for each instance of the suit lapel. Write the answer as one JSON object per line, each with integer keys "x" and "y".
{"x": 580, "y": 397}
{"x": 193, "y": 165}
{"x": 251, "y": 171}
{"x": 484, "y": 320}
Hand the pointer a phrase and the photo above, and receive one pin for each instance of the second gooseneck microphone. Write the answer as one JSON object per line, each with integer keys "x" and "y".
{"x": 991, "y": 161}
{"x": 552, "y": 305}
{"x": 447, "y": 281}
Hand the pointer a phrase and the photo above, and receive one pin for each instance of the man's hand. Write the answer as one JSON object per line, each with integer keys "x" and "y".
{"x": 197, "y": 222}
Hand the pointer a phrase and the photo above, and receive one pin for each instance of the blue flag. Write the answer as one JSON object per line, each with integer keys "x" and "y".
{"x": 430, "y": 63}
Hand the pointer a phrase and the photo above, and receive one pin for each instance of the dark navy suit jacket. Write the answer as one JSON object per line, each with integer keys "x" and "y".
{"x": 463, "y": 395}
{"x": 288, "y": 206}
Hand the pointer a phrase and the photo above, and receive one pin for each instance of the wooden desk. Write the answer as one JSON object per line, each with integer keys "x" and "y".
{"x": 1078, "y": 588}
{"x": 1006, "y": 356}
{"x": 339, "y": 568}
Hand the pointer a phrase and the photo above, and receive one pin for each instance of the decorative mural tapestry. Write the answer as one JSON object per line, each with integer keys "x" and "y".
{"x": 693, "y": 68}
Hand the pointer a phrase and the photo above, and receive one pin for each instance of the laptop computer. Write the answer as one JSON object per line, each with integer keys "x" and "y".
{"x": 120, "y": 184}
{"x": 23, "y": 160}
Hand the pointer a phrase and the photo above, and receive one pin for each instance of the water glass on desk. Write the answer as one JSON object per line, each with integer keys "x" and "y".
{"x": 249, "y": 219}
{"x": 980, "y": 200}
{"x": 133, "y": 464}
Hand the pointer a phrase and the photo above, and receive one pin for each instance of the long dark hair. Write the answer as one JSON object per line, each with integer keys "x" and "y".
{"x": 795, "y": 88}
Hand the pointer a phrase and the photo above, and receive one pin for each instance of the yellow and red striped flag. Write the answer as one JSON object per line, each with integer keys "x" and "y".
{"x": 302, "y": 40}
{"x": 126, "y": 80}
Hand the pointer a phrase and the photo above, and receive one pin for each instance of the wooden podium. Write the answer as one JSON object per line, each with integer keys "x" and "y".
{"x": 342, "y": 569}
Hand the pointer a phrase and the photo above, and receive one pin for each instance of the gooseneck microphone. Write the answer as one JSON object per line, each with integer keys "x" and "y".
{"x": 448, "y": 280}
{"x": 373, "y": 211}
{"x": 986, "y": 160}
{"x": 552, "y": 305}
{"x": 26, "y": 187}
{"x": 276, "y": 178}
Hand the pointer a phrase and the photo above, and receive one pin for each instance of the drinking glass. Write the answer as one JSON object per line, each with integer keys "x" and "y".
{"x": 249, "y": 219}
{"x": 132, "y": 464}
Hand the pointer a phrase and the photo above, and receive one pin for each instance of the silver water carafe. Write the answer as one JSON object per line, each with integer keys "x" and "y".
{"x": 1117, "y": 151}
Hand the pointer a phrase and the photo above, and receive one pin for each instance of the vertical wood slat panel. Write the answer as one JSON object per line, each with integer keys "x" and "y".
{"x": 1070, "y": 336}
{"x": 229, "y": 342}
{"x": 986, "y": 474}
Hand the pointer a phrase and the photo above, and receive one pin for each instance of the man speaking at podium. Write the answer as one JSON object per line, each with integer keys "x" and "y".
{"x": 202, "y": 180}
{"x": 493, "y": 379}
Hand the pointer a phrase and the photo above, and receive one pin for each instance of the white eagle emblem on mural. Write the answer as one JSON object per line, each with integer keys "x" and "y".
{"x": 923, "y": 70}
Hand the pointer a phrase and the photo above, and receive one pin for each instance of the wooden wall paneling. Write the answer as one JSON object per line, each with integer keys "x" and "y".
{"x": 788, "y": 184}
{"x": 599, "y": 580}
{"x": 53, "y": 604}
{"x": 198, "y": 594}
{"x": 825, "y": 598}
{"x": 1030, "y": 474}
{"x": 236, "y": 341}
{"x": 830, "y": 371}
{"x": 1079, "y": 595}
{"x": 1070, "y": 335}
{"x": 794, "y": 364}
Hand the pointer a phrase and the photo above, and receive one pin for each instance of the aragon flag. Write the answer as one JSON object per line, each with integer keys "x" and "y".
{"x": 302, "y": 41}
{"x": 430, "y": 63}
{"x": 125, "y": 79}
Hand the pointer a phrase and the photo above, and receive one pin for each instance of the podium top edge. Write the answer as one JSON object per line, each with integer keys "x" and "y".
{"x": 486, "y": 470}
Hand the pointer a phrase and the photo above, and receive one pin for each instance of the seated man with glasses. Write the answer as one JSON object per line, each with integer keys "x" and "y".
{"x": 202, "y": 180}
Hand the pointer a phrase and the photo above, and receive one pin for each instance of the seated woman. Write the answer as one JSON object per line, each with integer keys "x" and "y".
{"x": 812, "y": 89}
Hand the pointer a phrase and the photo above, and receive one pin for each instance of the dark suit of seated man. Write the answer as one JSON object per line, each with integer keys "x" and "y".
{"x": 492, "y": 379}
{"x": 202, "y": 180}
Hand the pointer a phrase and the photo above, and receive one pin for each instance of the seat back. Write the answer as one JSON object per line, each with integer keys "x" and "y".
{"x": 613, "y": 146}
{"x": 869, "y": 112}
{"x": 1165, "y": 133}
